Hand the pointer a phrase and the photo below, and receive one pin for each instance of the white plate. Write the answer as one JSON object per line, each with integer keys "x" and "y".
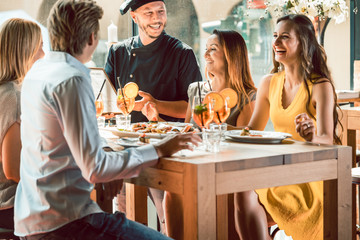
{"x": 266, "y": 136}
{"x": 133, "y": 142}
{"x": 122, "y": 133}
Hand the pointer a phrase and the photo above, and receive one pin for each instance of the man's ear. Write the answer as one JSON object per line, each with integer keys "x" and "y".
{"x": 133, "y": 16}
{"x": 92, "y": 39}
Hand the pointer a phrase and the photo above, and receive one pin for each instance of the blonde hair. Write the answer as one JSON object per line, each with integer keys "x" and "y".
{"x": 71, "y": 23}
{"x": 20, "y": 40}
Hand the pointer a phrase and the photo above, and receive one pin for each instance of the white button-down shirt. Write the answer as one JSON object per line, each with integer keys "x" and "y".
{"x": 62, "y": 153}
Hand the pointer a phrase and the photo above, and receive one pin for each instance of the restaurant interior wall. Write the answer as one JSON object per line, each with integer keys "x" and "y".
{"x": 182, "y": 16}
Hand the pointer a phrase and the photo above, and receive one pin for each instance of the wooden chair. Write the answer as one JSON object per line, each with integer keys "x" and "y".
{"x": 355, "y": 173}
{"x": 7, "y": 234}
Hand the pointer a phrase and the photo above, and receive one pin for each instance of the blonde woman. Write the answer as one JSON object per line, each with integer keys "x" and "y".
{"x": 20, "y": 47}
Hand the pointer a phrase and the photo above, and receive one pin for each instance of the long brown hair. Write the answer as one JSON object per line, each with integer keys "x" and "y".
{"x": 237, "y": 63}
{"x": 20, "y": 40}
{"x": 313, "y": 62}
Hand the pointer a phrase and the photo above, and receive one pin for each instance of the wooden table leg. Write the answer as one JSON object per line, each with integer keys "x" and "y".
{"x": 338, "y": 200}
{"x": 330, "y": 210}
{"x": 136, "y": 203}
{"x": 222, "y": 216}
{"x": 199, "y": 202}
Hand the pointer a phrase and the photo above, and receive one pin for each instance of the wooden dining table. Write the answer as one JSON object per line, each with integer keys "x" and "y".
{"x": 205, "y": 179}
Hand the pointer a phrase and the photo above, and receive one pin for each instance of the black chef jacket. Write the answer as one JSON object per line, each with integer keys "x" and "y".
{"x": 164, "y": 68}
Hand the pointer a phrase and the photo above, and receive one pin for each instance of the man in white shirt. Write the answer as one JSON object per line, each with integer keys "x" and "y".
{"x": 62, "y": 155}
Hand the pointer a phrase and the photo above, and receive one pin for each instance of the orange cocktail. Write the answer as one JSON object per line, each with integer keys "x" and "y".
{"x": 126, "y": 97}
{"x": 99, "y": 105}
{"x": 125, "y": 105}
{"x": 202, "y": 112}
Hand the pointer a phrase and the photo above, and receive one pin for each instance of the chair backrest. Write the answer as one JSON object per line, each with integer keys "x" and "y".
{"x": 355, "y": 173}
{"x": 7, "y": 234}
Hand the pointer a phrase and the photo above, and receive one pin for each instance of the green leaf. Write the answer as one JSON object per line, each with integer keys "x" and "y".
{"x": 289, "y": 5}
{"x": 199, "y": 109}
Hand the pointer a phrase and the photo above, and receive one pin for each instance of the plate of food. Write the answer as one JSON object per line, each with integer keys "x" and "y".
{"x": 135, "y": 142}
{"x": 253, "y": 136}
{"x": 153, "y": 129}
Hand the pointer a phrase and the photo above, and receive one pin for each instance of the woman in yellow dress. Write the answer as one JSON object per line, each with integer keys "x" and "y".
{"x": 300, "y": 99}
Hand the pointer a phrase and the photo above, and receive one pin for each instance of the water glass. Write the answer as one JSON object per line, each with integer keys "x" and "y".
{"x": 211, "y": 139}
{"x": 123, "y": 122}
{"x": 222, "y": 127}
{"x": 101, "y": 121}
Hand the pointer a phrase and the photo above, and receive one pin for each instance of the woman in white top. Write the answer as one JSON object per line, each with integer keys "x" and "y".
{"x": 20, "y": 47}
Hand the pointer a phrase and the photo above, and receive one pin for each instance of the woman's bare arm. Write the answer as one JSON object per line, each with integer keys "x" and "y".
{"x": 11, "y": 148}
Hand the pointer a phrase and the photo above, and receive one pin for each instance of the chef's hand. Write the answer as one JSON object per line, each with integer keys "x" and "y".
{"x": 304, "y": 125}
{"x": 146, "y": 97}
{"x": 149, "y": 110}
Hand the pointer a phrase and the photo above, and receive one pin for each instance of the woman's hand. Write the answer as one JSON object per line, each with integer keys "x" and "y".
{"x": 304, "y": 125}
{"x": 150, "y": 111}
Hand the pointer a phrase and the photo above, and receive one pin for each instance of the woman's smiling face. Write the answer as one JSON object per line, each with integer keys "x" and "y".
{"x": 214, "y": 55}
{"x": 286, "y": 44}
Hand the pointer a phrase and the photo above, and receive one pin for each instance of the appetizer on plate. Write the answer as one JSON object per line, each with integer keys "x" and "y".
{"x": 161, "y": 127}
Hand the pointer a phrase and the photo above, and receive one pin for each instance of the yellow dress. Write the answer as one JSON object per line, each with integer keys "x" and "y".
{"x": 297, "y": 209}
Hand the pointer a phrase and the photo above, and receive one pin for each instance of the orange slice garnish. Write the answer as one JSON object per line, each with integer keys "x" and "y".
{"x": 131, "y": 90}
{"x": 231, "y": 96}
{"x": 216, "y": 99}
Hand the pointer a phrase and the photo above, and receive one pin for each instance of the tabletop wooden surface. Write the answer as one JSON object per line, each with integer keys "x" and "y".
{"x": 202, "y": 179}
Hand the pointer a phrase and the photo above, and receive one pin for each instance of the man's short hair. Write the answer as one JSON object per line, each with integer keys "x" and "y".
{"x": 71, "y": 23}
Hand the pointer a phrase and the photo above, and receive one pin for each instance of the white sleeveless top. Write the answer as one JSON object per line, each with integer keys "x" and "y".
{"x": 9, "y": 114}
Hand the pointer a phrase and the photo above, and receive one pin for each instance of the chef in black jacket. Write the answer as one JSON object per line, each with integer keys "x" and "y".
{"x": 161, "y": 65}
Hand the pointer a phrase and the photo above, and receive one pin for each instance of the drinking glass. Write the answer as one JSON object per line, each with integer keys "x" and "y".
{"x": 202, "y": 113}
{"x": 222, "y": 127}
{"x": 101, "y": 121}
{"x": 211, "y": 139}
{"x": 125, "y": 104}
{"x": 99, "y": 105}
{"x": 222, "y": 115}
{"x": 123, "y": 122}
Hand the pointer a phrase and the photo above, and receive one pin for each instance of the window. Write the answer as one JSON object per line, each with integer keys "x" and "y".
{"x": 193, "y": 24}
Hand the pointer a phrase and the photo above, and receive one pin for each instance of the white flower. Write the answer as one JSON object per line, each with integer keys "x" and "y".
{"x": 276, "y": 7}
{"x": 335, "y": 9}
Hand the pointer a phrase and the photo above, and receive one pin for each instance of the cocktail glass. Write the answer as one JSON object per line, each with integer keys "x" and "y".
{"x": 202, "y": 113}
{"x": 125, "y": 104}
{"x": 99, "y": 106}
